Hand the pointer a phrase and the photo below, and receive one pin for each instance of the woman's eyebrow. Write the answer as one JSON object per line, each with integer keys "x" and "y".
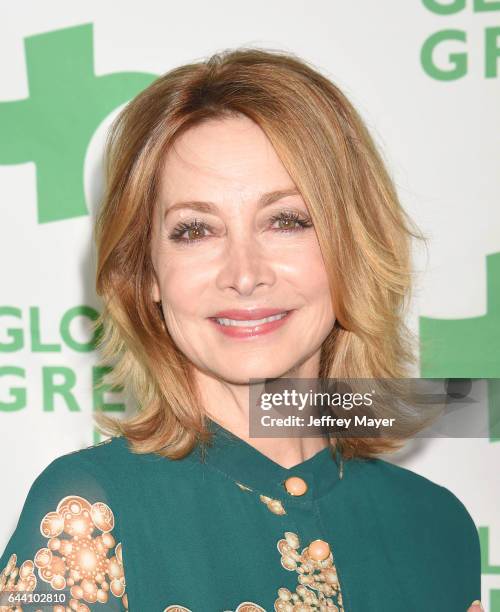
{"x": 210, "y": 207}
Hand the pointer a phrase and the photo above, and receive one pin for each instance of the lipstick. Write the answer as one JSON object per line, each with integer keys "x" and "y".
{"x": 248, "y": 323}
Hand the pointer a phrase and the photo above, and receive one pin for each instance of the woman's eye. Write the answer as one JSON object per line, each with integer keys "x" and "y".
{"x": 189, "y": 232}
{"x": 290, "y": 221}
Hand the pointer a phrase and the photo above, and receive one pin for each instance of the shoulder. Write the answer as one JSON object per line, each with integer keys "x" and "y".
{"x": 102, "y": 457}
{"x": 90, "y": 470}
{"x": 410, "y": 488}
{"x": 417, "y": 489}
{"x": 426, "y": 529}
{"x": 416, "y": 501}
{"x": 105, "y": 469}
{"x": 80, "y": 482}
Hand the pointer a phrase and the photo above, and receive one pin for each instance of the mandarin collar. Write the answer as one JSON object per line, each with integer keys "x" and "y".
{"x": 248, "y": 466}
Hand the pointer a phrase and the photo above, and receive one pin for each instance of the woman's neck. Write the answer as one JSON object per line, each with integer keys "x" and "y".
{"x": 227, "y": 404}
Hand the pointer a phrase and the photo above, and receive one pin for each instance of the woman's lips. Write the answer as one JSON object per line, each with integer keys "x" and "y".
{"x": 241, "y": 325}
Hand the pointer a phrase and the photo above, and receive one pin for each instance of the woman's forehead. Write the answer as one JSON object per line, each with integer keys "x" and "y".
{"x": 230, "y": 155}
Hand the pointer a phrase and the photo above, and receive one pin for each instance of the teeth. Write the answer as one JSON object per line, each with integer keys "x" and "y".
{"x": 252, "y": 323}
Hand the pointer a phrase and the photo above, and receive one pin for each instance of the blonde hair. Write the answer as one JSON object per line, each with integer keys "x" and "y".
{"x": 363, "y": 232}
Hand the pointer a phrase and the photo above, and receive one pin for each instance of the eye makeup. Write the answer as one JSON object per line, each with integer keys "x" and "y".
{"x": 297, "y": 221}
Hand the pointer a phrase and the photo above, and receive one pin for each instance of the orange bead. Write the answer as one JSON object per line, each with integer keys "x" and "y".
{"x": 319, "y": 550}
{"x": 295, "y": 485}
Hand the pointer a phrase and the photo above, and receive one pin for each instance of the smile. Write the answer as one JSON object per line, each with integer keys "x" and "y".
{"x": 251, "y": 323}
{"x": 237, "y": 328}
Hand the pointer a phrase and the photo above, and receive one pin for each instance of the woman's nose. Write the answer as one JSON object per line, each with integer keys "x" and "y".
{"x": 244, "y": 266}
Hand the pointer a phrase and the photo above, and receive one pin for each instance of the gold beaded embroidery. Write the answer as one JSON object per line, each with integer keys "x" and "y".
{"x": 242, "y": 486}
{"x": 313, "y": 576}
{"x": 78, "y": 561}
{"x": 273, "y": 504}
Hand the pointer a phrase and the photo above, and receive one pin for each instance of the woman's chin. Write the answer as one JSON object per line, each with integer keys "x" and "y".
{"x": 253, "y": 375}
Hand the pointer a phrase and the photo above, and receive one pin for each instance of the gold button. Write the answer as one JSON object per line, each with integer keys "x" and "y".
{"x": 295, "y": 485}
{"x": 319, "y": 550}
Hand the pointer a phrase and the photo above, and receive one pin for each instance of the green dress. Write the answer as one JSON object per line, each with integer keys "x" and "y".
{"x": 232, "y": 530}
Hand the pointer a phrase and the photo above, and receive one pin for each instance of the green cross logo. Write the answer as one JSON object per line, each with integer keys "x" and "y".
{"x": 54, "y": 125}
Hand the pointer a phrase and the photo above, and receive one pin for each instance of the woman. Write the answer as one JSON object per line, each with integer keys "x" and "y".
{"x": 249, "y": 231}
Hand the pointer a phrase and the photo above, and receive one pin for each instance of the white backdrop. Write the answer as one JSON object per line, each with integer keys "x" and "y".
{"x": 437, "y": 124}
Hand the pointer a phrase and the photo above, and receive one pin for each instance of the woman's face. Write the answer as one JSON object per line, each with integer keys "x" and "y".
{"x": 233, "y": 245}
